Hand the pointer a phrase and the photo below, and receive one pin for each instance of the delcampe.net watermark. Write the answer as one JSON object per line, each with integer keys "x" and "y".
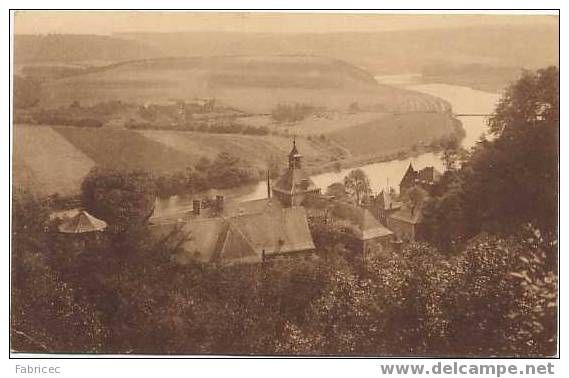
{"x": 456, "y": 368}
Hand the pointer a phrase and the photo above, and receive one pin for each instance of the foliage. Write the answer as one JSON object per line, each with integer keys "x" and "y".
{"x": 81, "y": 116}
{"x": 497, "y": 296}
{"x": 291, "y": 112}
{"x": 46, "y": 310}
{"x": 510, "y": 180}
{"x": 337, "y": 190}
{"x": 228, "y": 171}
{"x": 122, "y": 199}
{"x": 357, "y": 185}
{"x": 225, "y": 171}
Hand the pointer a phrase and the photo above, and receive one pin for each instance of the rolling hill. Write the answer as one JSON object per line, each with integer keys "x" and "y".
{"x": 253, "y": 84}
{"x": 75, "y": 48}
{"x": 529, "y": 45}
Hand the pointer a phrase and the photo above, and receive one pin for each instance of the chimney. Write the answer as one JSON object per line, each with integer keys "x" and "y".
{"x": 304, "y": 184}
{"x": 219, "y": 202}
{"x": 197, "y": 206}
{"x": 268, "y": 184}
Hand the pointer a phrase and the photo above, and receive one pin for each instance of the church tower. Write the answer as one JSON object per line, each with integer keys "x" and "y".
{"x": 294, "y": 157}
{"x": 293, "y": 187}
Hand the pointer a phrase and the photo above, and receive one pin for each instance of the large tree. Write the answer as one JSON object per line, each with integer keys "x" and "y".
{"x": 357, "y": 185}
{"x": 510, "y": 178}
{"x": 518, "y": 172}
{"x": 120, "y": 198}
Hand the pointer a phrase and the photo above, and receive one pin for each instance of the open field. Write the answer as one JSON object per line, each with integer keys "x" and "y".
{"x": 257, "y": 150}
{"x": 51, "y": 160}
{"x": 317, "y": 124}
{"x": 55, "y": 159}
{"x": 127, "y": 149}
{"x": 393, "y": 134}
{"x": 46, "y": 162}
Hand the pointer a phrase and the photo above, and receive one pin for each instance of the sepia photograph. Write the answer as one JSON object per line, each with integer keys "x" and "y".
{"x": 284, "y": 183}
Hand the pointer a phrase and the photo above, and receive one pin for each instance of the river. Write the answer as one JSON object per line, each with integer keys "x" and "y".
{"x": 464, "y": 100}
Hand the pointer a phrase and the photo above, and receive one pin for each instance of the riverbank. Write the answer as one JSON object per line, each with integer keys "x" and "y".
{"x": 457, "y": 136}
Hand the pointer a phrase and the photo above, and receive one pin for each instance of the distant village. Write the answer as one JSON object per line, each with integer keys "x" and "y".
{"x": 281, "y": 226}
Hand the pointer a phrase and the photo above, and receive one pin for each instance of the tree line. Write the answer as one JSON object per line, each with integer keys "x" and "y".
{"x": 122, "y": 293}
{"x": 511, "y": 177}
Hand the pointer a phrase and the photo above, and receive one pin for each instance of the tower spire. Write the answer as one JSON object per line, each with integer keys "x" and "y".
{"x": 294, "y": 156}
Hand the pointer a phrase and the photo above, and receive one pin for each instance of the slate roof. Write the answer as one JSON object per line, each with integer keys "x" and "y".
{"x": 409, "y": 176}
{"x": 241, "y": 237}
{"x": 198, "y": 239}
{"x": 276, "y": 232}
{"x": 233, "y": 209}
{"x": 292, "y": 181}
{"x": 81, "y": 223}
{"x": 408, "y": 216}
{"x": 364, "y": 225}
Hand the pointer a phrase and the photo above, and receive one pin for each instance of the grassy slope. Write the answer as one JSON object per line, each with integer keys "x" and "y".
{"x": 59, "y": 157}
{"x": 257, "y": 150}
{"x": 127, "y": 149}
{"x": 46, "y": 162}
{"x": 395, "y": 133}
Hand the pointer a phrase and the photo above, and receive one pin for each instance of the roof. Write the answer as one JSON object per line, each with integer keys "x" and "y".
{"x": 428, "y": 174}
{"x": 81, "y": 223}
{"x": 295, "y": 180}
{"x": 235, "y": 247}
{"x": 410, "y": 174}
{"x": 408, "y": 216}
{"x": 64, "y": 214}
{"x": 294, "y": 151}
{"x": 364, "y": 225}
{"x": 278, "y": 231}
{"x": 241, "y": 237}
{"x": 233, "y": 209}
{"x": 198, "y": 239}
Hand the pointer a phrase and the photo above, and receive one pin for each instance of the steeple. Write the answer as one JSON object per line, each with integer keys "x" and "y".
{"x": 294, "y": 157}
{"x": 294, "y": 185}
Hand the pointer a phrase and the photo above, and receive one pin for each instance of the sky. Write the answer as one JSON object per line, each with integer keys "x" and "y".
{"x": 110, "y": 22}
